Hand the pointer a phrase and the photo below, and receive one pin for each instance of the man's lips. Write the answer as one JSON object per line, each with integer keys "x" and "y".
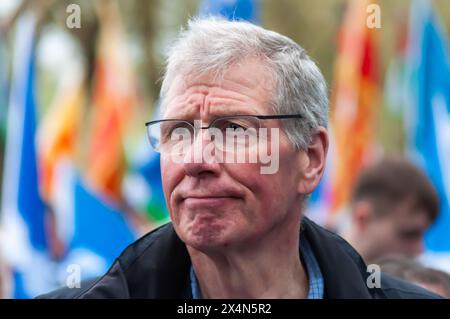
{"x": 209, "y": 193}
{"x": 209, "y": 197}
{"x": 206, "y": 194}
{"x": 202, "y": 201}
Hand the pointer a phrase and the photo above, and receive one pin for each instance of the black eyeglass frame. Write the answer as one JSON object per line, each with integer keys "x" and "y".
{"x": 260, "y": 117}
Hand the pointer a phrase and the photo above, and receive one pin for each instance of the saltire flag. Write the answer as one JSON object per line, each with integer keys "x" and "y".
{"x": 354, "y": 102}
{"x": 427, "y": 112}
{"x": 232, "y": 9}
{"x": 95, "y": 231}
{"x": 23, "y": 220}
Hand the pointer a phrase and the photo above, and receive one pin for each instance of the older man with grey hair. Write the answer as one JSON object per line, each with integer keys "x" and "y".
{"x": 234, "y": 98}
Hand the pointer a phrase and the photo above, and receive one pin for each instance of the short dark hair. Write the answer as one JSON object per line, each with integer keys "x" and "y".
{"x": 415, "y": 272}
{"x": 392, "y": 180}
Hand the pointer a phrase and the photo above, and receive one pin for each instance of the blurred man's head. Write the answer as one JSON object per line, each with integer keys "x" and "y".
{"x": 431, "y": 279}
{"x": 393, "y": 204}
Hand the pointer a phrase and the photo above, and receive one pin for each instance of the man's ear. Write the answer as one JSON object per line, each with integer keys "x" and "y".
{"x": 312, "y": 162}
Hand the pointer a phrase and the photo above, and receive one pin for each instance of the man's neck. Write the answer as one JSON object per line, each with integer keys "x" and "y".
{"x": 271, "y": 268}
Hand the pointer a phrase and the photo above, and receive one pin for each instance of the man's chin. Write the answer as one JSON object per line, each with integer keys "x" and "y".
{"x": 205, "y": 241}
{"x": 208, "y": 233}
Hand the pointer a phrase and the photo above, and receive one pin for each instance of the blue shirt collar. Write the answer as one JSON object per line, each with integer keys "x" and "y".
{"x": 315, "y": 278}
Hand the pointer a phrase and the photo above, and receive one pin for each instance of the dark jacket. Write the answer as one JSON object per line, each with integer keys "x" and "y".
{"x": 157, "y": 266}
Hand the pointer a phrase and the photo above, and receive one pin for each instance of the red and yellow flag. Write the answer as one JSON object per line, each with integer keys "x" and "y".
{"x": 114, "y": 106}
{"x": 355, "y": 100}
{"x": 59, "y": 132}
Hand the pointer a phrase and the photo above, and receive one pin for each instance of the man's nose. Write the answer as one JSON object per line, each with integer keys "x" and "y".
{"x": 200, "y": 159}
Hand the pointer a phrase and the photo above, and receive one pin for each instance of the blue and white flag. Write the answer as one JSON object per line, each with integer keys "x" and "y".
{"x": 23, "y": 236}
{"x": 427, "y": 112}
{"x": 94, "y": 231}
{"x": 232, "y": 9}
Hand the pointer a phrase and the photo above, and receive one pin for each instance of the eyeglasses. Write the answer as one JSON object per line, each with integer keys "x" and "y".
{"x": 229, "y": 133}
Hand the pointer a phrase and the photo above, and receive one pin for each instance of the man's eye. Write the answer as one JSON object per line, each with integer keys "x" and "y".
{"x": 168, "y": 130}
{"x": 234, "y": 126}
{"x": 411, "y": 234}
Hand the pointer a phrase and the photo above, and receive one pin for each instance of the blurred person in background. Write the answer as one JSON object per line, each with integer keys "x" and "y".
{"x": 393, "y": 204}
{"x": 412, "y": 271}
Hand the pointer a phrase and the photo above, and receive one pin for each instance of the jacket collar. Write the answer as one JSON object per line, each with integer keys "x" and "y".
{"x": 343, "y": 269}
{"x": 157, "y": 265}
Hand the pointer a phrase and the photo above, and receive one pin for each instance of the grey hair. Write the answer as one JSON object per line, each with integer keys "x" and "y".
{"x": 212, "y": 45}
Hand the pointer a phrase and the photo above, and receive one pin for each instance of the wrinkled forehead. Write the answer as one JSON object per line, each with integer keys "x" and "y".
{"x": 248, "y": 78}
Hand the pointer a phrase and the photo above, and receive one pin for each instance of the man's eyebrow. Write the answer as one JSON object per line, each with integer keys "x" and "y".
{"x": 216, "y": 112}
{"x": 181, "y": 114}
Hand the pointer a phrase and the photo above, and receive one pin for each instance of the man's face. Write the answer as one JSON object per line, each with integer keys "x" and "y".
{"x": 218, "y": 205}
{"x": 400, "y": 232}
